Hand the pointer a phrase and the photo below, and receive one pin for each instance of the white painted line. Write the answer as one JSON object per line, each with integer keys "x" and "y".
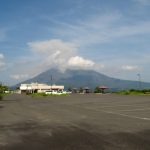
{"x": 124, "y": 115}
{"x": 136, "y": 109}
{"x": 115, "y": 106}
{"x": 122, "y": 105}
{"x": 120, "y": 114}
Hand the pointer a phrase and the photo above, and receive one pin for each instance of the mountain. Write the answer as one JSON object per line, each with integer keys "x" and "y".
{"x": 84, "y": 78}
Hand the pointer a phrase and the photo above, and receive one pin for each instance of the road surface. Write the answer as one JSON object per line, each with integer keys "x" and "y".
{"x": 75, "y": 122}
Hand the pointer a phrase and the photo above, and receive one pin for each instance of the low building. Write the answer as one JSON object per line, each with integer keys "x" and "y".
{"x": 103, "y": 88}
{"x": 86, "y": 90}
{"x": 39, "y": 88}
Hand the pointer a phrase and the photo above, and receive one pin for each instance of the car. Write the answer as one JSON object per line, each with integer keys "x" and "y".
{"x": 53, "y": 92}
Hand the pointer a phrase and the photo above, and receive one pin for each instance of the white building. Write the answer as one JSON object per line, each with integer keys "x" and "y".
{"x": 39, "y": 88}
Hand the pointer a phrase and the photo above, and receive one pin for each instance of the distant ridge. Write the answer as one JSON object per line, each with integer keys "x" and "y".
{"x": 84, "y": 78}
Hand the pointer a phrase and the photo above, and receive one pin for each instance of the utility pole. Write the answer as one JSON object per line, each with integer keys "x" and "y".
{"x": 139, "y": 80}
{"x": 51, "y": 83}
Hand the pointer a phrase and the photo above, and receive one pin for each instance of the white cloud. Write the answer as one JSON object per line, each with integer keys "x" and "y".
{"x": 19, "y": 76}
{"x": 51, "y": 46}
{"x": 2, "y": 63}
{"x": 78, "y": 61}
{"x": 95, "y": 29}
{"x": 143, "y": 2}
{"x": 57, "y": 53}
{"x": 1, "y": 56}
{"x": 100, "y": 28}
{"x": 131, "y": 30}
{"x": 130, "y": 68}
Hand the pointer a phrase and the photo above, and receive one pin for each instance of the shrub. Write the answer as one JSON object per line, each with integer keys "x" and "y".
{"x": 97, "y": 90}
{"x": 127, "y": 93}
{"x": 38, "y": 94}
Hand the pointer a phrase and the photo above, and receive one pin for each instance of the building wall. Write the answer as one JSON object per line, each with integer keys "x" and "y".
{"x": 39, "y": 87}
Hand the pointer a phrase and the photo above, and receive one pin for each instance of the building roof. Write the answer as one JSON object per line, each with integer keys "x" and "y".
{"x": 103, "y": 87}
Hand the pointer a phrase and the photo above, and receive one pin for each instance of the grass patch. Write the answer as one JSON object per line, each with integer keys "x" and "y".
{"x": 46, "y": 95}
{"x": 134, "y": 92}
{"x": 2, "y": 95}
{"x": 38, "y": 94}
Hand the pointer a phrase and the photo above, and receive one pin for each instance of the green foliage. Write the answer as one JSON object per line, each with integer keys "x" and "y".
{"x": 3, "y": 88}
{"x": 45, "y": 95}
{"x": 38, "y": 94}
{"x": 97, "y": 90}
{"x": 135, "y": 92}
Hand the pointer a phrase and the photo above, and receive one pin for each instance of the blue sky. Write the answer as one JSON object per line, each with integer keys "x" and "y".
{"x": 109, "y": 36}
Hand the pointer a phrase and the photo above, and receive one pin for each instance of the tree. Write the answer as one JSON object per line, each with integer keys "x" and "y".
{"x": 97, "y": 90}
{"x": 3, "y": 88}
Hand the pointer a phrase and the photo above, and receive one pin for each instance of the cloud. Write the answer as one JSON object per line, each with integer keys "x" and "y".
{"x": 1, "y": 56}
{"x": 44, "y": 55}
{"x": 19, "y": 76}
{"x": 78, "y": 61}
{"x": 2, "y": 63}
{"x": 143, "y": 2}
{"x": 130, "y": 68}
{"x": 132, "y": 30}
{"x": 56, "y": 53}
{"x": 94, "y": 29}
{"x": 101, "y": 28}
{"x": 51, "y": 46}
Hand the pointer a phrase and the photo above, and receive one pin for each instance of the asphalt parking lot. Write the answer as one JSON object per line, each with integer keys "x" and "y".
{"x": 75, "y": 122}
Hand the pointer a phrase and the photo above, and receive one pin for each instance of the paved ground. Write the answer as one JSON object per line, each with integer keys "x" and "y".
{"x": 76, "y": 122}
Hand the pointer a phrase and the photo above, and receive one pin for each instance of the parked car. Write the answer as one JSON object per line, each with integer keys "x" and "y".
{"x": 55, "y": 92}
{"x": 51, "y": 92}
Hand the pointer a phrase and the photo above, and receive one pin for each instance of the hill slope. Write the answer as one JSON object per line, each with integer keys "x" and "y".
{"x": 83, "y": 78}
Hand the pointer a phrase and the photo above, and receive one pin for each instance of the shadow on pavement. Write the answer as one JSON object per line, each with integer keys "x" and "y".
{"x": 74, "y": 138}
{"x": 1, "y": 106}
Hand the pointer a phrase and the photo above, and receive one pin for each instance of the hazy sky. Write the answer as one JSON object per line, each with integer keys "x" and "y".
{"x": 109, "y": 36}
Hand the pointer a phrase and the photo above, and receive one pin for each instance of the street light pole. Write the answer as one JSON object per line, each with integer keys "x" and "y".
{"x": 51, "y": 84}
{"x": 139, "y": 80}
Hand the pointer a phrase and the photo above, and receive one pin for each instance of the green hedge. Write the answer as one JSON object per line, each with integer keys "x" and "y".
{"x": 38, "y": 94}
{"x": 46, "y": 95}
{"x": 135, "y": 92}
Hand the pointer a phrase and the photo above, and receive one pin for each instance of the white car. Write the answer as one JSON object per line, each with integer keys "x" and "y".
{"x": 55, "y": 92}
{"x": 51, "y": 92}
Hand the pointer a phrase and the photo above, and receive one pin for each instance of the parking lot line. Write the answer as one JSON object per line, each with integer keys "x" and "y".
{"x": 119, "y": 114}
{"x": 140, "y": 109}
{"x": 129, "y": 116}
